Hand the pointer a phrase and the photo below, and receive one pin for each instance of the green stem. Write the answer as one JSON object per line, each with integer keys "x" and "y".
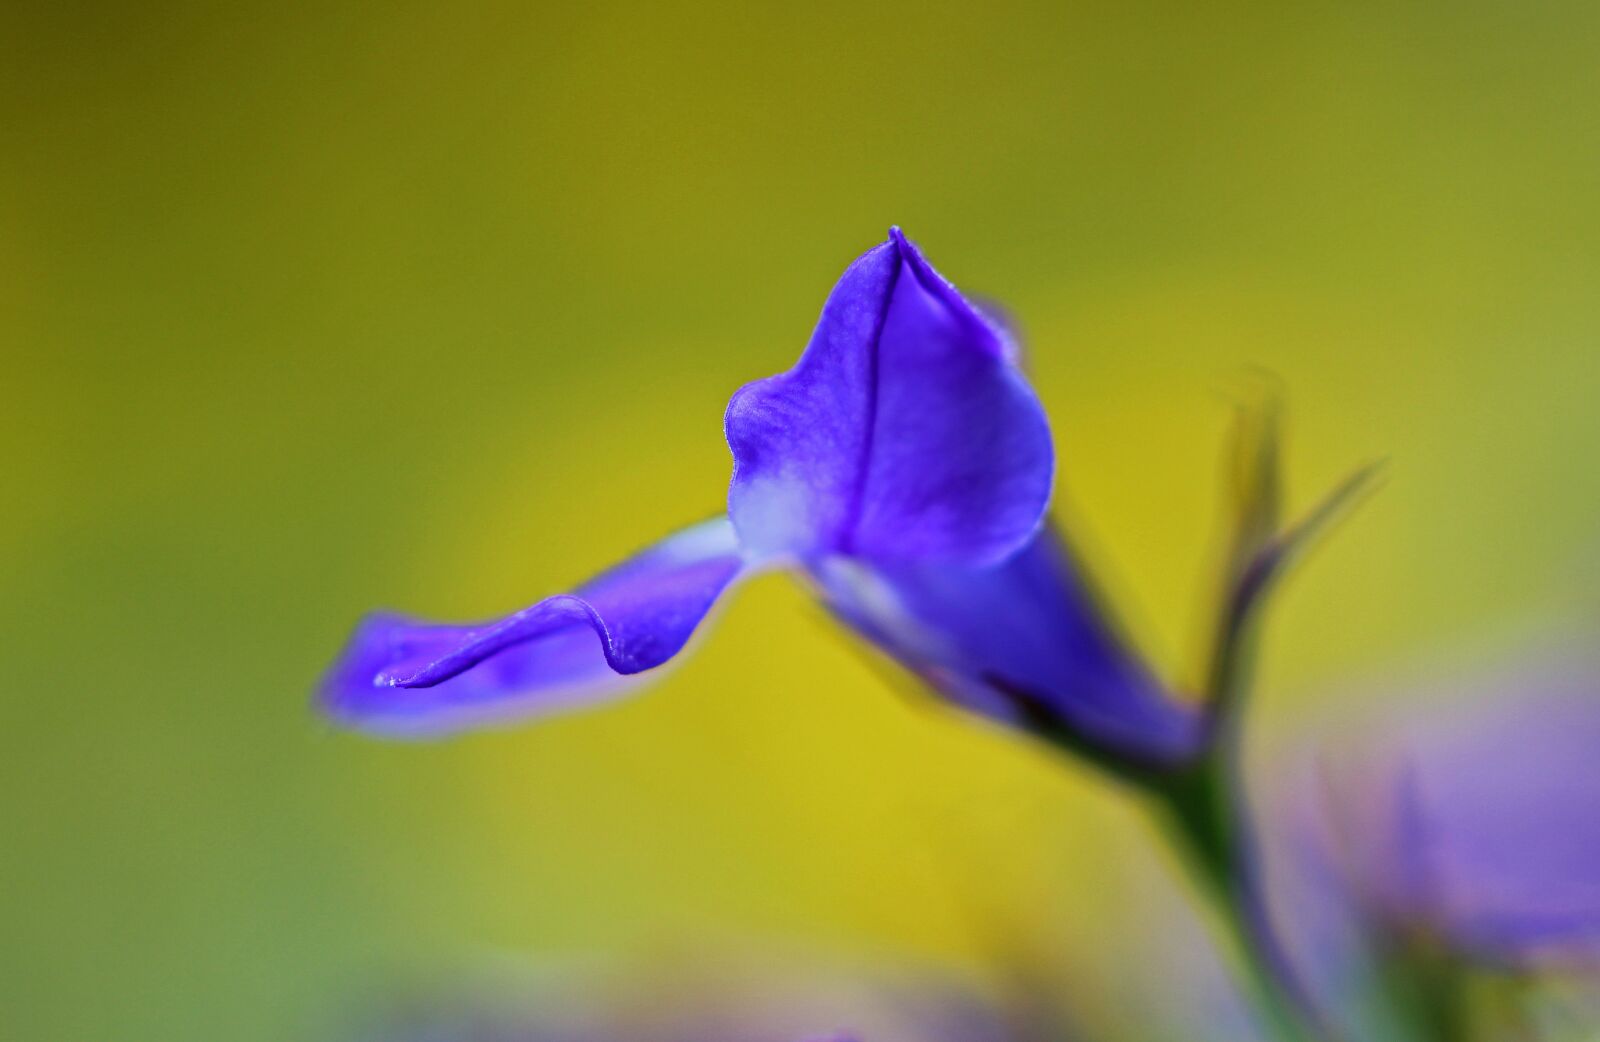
{"x": 1205, "y": 805}
{"x": 1203, "y": 802}
{"x": 1196, "y": 806}
{"x": 1202, "y": 810}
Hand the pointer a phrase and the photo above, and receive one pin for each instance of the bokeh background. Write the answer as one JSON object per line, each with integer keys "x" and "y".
{"x": 310, "y": 308}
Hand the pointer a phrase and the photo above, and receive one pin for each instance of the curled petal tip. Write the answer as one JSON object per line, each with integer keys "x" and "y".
{"x": 398, "y": 676}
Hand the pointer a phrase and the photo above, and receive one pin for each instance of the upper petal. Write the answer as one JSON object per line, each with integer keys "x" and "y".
{"x": 904, "y": 433}
{"x": 404, "y": 676}
{"x": 1024, "y": 641}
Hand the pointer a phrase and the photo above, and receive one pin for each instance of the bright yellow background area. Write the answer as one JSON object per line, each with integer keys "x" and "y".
{"x": 306, "y": 309}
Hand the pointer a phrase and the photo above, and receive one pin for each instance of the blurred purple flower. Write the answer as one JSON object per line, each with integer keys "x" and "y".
{"x": 1486, "y": 830}
{"x": 1462, "y": 838}
{"x": 904, "y": 466}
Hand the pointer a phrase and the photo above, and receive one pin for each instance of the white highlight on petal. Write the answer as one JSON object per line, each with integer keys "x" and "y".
{"x": 863, "y": 593}
{"x": 699, "y": 542}
{"x": 774, "y": 515}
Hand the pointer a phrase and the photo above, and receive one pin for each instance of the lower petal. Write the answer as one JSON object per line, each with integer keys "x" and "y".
{"x": 403, "y": 676}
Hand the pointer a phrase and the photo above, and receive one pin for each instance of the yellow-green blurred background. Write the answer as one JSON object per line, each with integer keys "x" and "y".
{"x": 310, "y": 308}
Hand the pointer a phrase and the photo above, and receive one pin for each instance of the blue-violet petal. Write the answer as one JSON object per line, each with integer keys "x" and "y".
{"x": 904, "y": 433}
{"x": 1024, "y": 641}
{"x": 403, "y": 676}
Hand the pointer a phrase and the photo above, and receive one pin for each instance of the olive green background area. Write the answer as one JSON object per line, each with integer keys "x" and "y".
{"x": 307, "y": 309}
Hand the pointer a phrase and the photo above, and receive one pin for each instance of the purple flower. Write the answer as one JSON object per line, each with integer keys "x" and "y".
{"x": 904, "y": 467}
{"x": 1483, "y": 828}
{"x": 1458, "y": 834}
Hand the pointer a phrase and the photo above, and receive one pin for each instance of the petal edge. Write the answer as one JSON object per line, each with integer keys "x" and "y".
{"x": 401, "y": 676}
